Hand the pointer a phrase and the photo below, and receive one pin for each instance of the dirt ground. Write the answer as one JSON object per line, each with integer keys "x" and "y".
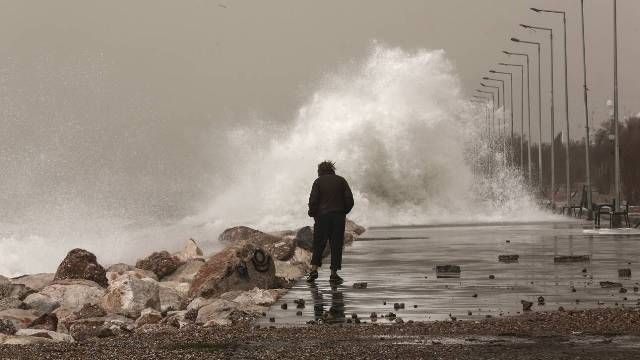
{"x": 590, "y": 334}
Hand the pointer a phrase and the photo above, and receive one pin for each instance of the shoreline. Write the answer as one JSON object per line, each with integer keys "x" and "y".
{"x": 585, "y": 334}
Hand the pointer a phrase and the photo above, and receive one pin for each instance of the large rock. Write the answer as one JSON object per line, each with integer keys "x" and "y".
{"x": 172, "y": 295}
{"x": 105, "y": 326}
{"x": 43, "y": 303}
{"x": 81, "y": 264}
{"x": 17, "y": 291}
{"x": 36, "y": 282}
{"x": 4, "y": 280}
{"x": 161, "y": 263}
{"x": 148, "y": 316}
{"x": 186, "y": 272}
{"x": 117, "y": 270}
{"x": 73, "y": 294}
{"x": 216, "y": 313}
{"x": 351, "y": 226}
{"x": 190, "y": 251}
{"x": 45, "y": 322}
{"x": 129, "y": 294}
{"x": 47, "y": 334}
{"x": 23, "y": 340}
{"x": 261, "y": 297}
{"x": 238, "y": 267}
{"x": 280, "y": 247}
{"x": 242, "y": 233}
{"x": 11, "y": 303}
{"x": 20, "y": 319}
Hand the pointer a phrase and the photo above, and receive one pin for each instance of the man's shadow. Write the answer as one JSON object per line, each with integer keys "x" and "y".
{"x": 335, "y": 313}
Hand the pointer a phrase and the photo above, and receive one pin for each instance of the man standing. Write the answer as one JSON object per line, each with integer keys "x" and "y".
{"x": 329, "y": 203}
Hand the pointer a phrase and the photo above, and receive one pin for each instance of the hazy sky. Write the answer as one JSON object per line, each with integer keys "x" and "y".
{"x": 133, "y": 87}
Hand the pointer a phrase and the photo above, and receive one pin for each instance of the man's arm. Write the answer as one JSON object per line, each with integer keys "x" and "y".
{"x": 348, "y": 198}
{"x": 314, "y": 200}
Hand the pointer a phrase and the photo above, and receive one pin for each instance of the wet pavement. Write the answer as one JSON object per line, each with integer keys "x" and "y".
{"x": 399, "y": 266}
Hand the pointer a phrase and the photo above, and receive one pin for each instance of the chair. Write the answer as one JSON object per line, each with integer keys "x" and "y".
{"x": 612, "y": 211}
{"x": 573, "y": 209}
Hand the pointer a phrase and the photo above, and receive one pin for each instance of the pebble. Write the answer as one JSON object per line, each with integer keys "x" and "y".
{"x": 272, "y": 319}
{"x": 283, "y": 306}
{"x": 360, "y": 285}
{"x": 492, "y": 277}
{"x": 526, "y": 305}
{"x": 475, "y": 295}
{"x": 299, "y": 313}
{"x": 540, "y": 300}
{"x": 299, "y": 303}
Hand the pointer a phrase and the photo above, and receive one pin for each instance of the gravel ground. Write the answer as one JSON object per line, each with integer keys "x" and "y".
{"x": 590, "y": 334}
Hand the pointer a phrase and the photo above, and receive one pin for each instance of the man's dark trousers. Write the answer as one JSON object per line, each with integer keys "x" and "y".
{"x": 328, "y": 226}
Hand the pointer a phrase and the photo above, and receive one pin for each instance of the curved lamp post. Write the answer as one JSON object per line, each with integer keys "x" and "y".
{"x": 540, "y": 119}
{"x": 566, "y": 95}
{"x": 521, "y": 111}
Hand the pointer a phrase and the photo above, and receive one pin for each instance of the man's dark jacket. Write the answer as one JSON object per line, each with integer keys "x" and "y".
{"x": 330, "y": 193}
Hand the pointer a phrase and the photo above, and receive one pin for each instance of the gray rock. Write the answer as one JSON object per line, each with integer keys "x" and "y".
{"x": 43, "y": 303}
{"x": 185, "y": 272}
{"x": 19, "y": 318}
{"x": 47, "y": 334}
{"x": 73, "y": 294}
{"x": 117, "y": 270}
{"x": 170, "y": 298}
{"x": 190, "y": 251}
{"x": 148, "y": 316}
{"x": 129, "y": 295}
{"x": 36, "y": 282}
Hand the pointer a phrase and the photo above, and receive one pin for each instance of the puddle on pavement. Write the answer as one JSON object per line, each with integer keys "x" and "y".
{"x": 399, "y": 266}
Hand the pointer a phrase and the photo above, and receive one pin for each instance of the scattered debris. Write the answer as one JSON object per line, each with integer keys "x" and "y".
{"x": 571, "y": 258}
{"x": 448, "y": 271}
{"x": 360, "y": 285}
{"x": 491, "y": 277}
{"x": 624, "y": 273}
{"x": 283, "y": 306}
{"x": 610, "y": 284}
{"x": 508, "y": 258}
{"x": 540, "y": 300}
{"x": 299, "y": 303}
{"x": 526, "y": 305}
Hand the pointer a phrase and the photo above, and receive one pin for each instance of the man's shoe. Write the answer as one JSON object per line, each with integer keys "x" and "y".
{"x": 334, "y": 279}
{"x": 312, "y": 276}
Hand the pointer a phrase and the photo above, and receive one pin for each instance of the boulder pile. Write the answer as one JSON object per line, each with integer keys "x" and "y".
{"x": 83, "y": 299}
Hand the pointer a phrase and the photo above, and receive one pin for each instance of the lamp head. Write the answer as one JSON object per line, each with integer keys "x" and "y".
{"x": 492, "y": 71}
{"x": 515, "y": 39}
{"x": 535, "y": 9}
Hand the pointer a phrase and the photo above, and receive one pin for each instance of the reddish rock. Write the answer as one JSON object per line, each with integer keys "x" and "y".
{"x": 81, "y": 264}
{"x": 242, "y": 266}
{"x": 280, "y": 247}
{"x": 161, "y": 263}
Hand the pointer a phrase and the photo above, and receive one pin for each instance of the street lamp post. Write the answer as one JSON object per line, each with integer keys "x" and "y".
{"x": 528, "y": 109}
{"x": 540, "y": 120}
{"x": 511, "y": 103}
{"x": 521, "y": 111}
{"x": 587, "y": 143}
{"x": 502, "y": 128}
{"x": 566, "y": 97}
{"x": 615, "y": 104}
{"x": 493, "y": 111}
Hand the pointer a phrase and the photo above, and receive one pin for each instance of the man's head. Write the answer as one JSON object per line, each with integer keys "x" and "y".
{"x": 326, "y": 168}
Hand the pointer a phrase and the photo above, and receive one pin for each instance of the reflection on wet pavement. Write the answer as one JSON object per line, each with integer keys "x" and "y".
{"x": 399, "y": 266}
